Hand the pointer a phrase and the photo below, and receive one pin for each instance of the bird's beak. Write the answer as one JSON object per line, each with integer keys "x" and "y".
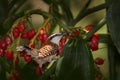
{"x": 63, "y": 33}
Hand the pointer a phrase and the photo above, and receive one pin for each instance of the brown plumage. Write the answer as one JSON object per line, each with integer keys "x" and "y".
{"x": 48, "y": 49}
{"x": 47, "y": 52}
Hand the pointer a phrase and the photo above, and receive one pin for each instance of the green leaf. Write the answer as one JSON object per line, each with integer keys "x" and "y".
{"x": 28, "y": 72}
{"x": 114, "y": 63}
{"x": 105, "y": 38}
{"x": 113, "y": 21}
{"x": 68, "y": 16}
{"x": 17, "y": 6}
{"x": 22, "y": 63}
{"x": 48, "y": 73}
{"x": 111, "y": 58}
{"x": 108, "y": 2}
{"x": 3, "y": 10}
{"x": 2, "y": 73}
{"x": 4, "y": 67}
{"x": 12, "y": 3}
{"x": 53, "y": 24}
{"x": 4, "y": 64}
{"x": 76, "y": 62}
{"x": 6, "y": 25}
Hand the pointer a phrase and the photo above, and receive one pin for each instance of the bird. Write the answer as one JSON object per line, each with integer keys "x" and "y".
{"x": 47, "y": 52}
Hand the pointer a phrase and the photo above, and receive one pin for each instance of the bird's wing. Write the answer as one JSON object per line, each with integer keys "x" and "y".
{"x": 47, "y": 50}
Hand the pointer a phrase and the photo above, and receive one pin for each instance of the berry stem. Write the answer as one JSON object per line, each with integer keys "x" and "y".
{"x": 15, "y": 52}
{"x": 50, "y": 64}
{"x": 44, "y": 24}
{"x": 61, "y": 24}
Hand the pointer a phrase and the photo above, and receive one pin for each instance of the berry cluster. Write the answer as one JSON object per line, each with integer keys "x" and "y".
{"x": 74, "y": 33}
{"x": 94, "y": 42}
{"x": 29, "y": 35}
{"x": 38, "y": 70}
{"x": 4, "y": 43}
{"x": 61, "y": 44}
{"x": 20, "y": 32}
{"x": 19, "y": 28}
{"x": 5, "y": 51}
{"x": 42, "y": 36}
{"x": 26, "y": 57}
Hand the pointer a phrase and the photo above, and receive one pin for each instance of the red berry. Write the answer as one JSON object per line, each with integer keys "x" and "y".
{"x": 45, "y": 36}
{"x": 21, "y": 26}
{"x": 1, "y": 52}
{"x": 94, "y": 43}
{"x": 95, "y": 35}
{"x": 24, "y": 35}
{"x": 3, "y": 45}
{"x": 16, "y": 35}
{"x": 8, "y": 40}
{"x": 27, "y": 58}
{"x": 62, "y": 41}
{"x": 42, "y": 31}
{"x": 99, "y": 61}
{"x": 38, "y": 70}
{"x": 40, "y": 37}
{"x": 22, "y": 54}
{"x": 9, "y": 54}
{"x": 89, "y": 27}
{"x": 94, "y": 47}
{"x": 60, "y": 50}
{"x": 76, "y": 32}
{"x": 16, "y": 29}
{"x": 31, "y": 33}
{"x": 16, "y": 32}
{"x": 17, "y": 60}
{"x": 94, "y": 40}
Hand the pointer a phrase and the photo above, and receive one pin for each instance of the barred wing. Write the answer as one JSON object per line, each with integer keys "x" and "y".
{"x": 48, "y": 50}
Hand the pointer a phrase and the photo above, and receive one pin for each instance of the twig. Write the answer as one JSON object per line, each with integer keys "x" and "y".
{"x": 89, "y": 11}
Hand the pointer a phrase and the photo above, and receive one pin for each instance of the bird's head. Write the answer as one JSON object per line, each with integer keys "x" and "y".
{"x": 22, "y": 48}
{"x": 55, "y": 38}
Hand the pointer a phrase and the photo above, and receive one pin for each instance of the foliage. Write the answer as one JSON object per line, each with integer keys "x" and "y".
{"x": 75, "y": 50}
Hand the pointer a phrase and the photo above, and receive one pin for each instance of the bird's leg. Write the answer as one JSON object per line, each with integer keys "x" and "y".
{"x": 55, "y": 58}
{"x": 52, "y": 58}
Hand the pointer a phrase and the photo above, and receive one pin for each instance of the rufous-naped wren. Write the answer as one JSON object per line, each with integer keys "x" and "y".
{"x": 47, "y": 52}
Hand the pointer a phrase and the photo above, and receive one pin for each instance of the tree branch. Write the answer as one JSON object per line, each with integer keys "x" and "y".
{"x": 89, "y": 11}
